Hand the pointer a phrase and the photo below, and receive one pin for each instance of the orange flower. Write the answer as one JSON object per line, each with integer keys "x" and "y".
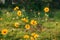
{"x": 4, "y": 31}
{"x": 27, "y": 26}
{"x": 46, "y": 9}
{"x": 19, "y": 13}
{"x": 33, "y": 22}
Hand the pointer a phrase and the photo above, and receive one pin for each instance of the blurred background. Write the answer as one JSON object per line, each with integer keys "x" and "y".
{"x": 31, "y": 4}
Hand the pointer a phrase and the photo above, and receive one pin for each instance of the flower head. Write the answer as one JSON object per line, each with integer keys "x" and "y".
{"x": 19, "y": 13}
{"x": 4, "y": 31}
{"x": 26, "y": 36}
{"x": 16, "y": 24}
{"x": 16, "y": 8}
{"x": 32, "y": 38}
{"x": 34, "y": 35}
{"x": 46, "y": 9}
{"x": 33, "y": 22}
{"x": 27, "y": 26}
{"x": 24, "y": 19}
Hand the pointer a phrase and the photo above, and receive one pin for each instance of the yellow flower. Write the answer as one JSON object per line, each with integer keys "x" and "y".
{"x": 4, "y": 31}
{"x": 24, "y": 19}
{"x": 46, "y": 9}
{"x": 27, "y": 26}
{"x": 16, "y": 8}
{"x": 32, "y": 38}
{"x": 19, "y": 13}
{"x": 33, "y": 22}
{"x": 16, "y": 24}
{"x": 33, "y": 34}
{"x": 36, "y": 35}
{"x": 26, "y": 36}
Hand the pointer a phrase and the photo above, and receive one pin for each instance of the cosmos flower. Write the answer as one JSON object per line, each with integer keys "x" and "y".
{"x": 32, "y": 38}
{"x": 34, "y": 35}
{"x": 16, "y": 24}
{"x": 46, "y": 9}
{"x": 19, "y": 13}
{"x": 16, "y": 8}
{"x": 4, "y": 31}
{"x": 33, "y": 22}
{"x": 27, "y": 26}
{"x": 26, "y": 36}
{"x": 24, "y": 19}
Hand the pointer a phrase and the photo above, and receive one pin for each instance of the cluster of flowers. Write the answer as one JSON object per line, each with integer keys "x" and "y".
{"x": 27, "y": 26}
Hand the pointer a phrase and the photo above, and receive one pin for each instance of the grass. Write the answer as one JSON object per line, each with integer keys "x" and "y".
{"x": 50, "y": 30}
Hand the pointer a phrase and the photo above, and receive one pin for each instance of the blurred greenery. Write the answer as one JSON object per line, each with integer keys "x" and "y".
{"x": 32, "y": 4}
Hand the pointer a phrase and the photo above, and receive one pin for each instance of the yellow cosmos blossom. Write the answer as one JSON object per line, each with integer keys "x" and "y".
{"x": 24, "y": 19}
{"x": 19, "y": 13}
{"x": 4, "y": 31}
{"x": 32, "y": 38}
{"x": 16, "y": 8}
{"x": 27, "y": 26}
{"x": 35, "y": 35}
{"x": 33, "y": 22}
{"x": 26, "y": 36}
{"x": 16, "y": 24}
{"x": 46, "y": 9}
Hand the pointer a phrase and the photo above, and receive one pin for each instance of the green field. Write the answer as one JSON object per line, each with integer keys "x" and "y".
{"x": 46, "y": 29}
